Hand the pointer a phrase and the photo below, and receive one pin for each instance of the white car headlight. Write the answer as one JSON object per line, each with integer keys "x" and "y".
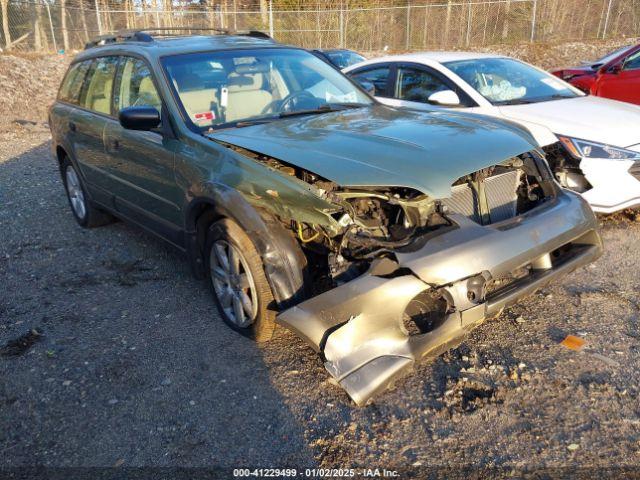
{"x": 584, "y": 148}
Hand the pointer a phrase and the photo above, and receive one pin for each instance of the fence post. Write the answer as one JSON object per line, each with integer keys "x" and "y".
{"x": 533, "y": 20}
{"x": 53, "y": 35}
{"x": 98, "y": 17}
{"x": 408, "y": 28}
{"x": 468, "y": 39}
{"x": 270, "y": 18}
{"x": 606, "y": 20}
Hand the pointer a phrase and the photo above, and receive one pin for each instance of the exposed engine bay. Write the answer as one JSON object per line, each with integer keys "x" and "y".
{"x": 396, "y": 275}
{"x": 379, "y": 222}
{"x": 566, "y": 169}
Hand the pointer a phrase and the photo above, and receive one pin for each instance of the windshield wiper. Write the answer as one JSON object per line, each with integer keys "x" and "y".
{"x": 523, "y": 101}
{"x": 558, "y": 96}
{"x": 335, "y": 107}
{"x": 515, "y": 101}
{"x": 248, "y": 123}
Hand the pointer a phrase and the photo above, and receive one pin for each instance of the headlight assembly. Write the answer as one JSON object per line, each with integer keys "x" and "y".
{"x": 584, "y": 148}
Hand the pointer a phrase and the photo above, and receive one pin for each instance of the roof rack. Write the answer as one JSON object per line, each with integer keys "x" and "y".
{"x": 147, "y": 35}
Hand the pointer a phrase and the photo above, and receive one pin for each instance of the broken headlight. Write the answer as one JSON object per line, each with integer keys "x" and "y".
{"x": 584, "y": 148}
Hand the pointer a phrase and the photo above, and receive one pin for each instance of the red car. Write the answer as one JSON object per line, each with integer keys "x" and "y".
{"x": 615, "y": 76}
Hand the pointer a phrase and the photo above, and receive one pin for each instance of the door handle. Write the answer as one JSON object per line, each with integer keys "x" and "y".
{"x": 72, "y": 126}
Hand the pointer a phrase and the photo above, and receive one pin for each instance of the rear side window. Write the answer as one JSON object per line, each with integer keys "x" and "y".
{"x": 96, "y": 94}
{"x": 136, "y": 88}
{"x": 72, "y": 83}
{"x": 378, "y": 76}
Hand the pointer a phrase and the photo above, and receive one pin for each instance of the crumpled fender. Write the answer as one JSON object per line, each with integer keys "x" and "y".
{"x": 284, "y": 262}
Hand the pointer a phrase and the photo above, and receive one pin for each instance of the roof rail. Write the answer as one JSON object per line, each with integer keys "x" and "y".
{"x": 148, "y": 34}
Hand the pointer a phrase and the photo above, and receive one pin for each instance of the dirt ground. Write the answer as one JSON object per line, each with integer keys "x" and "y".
{"x": 112, "y": 354}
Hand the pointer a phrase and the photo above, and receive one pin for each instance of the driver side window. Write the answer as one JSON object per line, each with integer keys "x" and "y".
{"x": 379, "y": 77}
{"x": 632, "y": 62}
{"x": 414, "y": 85}
{"x": 136, "y": 88}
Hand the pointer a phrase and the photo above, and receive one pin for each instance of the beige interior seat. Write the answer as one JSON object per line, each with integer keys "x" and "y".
{"x": 99, "y": 94}
{"x": 147, "y": 94}
{"x": 200, "y": 101}
{"x": 246, "y": 96}
{"x": 196, "y": 97}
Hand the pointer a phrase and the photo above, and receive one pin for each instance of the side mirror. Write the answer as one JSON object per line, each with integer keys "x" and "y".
{"x": 613, "y": 69}
{"x": 139, "y": 118}
{"x": 368, "y": 87}
{"x": 447, "y": 98}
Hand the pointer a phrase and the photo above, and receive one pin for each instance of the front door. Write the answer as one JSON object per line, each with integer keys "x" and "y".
{"x": 142, "y": 162}
{"x": 413, "y": 86}
{"x": 623, "y": 85}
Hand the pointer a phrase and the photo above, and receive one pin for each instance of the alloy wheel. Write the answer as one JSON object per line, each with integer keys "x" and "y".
{"x": 233, "y": 283}
{"x": 76, "y": 195}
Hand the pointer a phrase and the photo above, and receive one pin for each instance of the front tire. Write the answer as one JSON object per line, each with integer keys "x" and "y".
{"x": 83, "y": 211}
{"x": 238, "y": 282}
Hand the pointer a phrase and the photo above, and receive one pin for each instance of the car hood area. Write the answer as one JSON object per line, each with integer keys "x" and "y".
{"x": 589, "y": 118}
{"x": 383, "y": 146}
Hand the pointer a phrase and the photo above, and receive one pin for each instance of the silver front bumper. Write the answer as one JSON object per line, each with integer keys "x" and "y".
{"x": 358, "y": 327}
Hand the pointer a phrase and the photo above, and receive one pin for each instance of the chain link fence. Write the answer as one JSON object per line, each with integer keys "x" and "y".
{"x": 46, "y": 25}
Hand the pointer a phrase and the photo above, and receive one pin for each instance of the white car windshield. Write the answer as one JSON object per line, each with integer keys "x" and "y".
{"x": 240, "y": 87}
{"x": 505, "y": 81}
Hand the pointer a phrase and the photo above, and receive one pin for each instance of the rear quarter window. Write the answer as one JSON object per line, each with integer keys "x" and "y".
{"x": 72, "y": 83}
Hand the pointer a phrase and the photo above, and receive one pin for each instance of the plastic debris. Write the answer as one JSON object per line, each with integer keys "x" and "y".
{"x": 573, "y": 343}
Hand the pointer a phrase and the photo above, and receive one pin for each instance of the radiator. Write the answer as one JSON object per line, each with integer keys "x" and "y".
{"x": 502, "y": 198}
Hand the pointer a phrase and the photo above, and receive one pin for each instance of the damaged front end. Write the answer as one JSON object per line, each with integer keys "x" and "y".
{"x": 399, "y": 276}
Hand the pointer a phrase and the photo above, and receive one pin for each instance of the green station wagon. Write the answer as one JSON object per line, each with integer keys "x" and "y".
{"x": 379, "y": 236}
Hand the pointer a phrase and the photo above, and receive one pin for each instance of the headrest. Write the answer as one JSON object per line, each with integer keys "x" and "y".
{"x": 146, "y": 85}
{"x": 185, "y": 80}
{"x": 240, "y": 82}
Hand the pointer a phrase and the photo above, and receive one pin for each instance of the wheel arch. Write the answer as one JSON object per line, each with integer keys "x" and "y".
{"x": 61, "y": 154}
{"x": 285, "y": 264}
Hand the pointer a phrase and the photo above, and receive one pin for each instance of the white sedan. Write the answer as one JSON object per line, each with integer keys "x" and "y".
{"x": 598, "y": 152}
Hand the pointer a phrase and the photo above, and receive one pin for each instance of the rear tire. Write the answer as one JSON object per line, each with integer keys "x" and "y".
{"x": 238, "y": 282}
{"x": 85, "y": 213}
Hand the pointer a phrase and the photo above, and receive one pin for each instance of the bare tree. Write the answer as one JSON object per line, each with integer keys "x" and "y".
{"x": 4, "y": 7}
{"x": 264, "y": 11}
{"x": 505, "y": 25}
{"x": 84, "y": 21}
{"x": 63, "y": 24}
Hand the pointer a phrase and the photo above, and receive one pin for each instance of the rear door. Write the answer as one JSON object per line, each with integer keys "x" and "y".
{"x": 63, "y": 111}
{"x": 623, "y": 85}
{"x": 141, "y": 163}
{"x": 87, "y": 124}
{"x": 380, "y": 76}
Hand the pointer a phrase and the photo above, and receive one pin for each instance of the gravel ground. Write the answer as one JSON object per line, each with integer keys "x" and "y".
{"x": 112, "y": 354}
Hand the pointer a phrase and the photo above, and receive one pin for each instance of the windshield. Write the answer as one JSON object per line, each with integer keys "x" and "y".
{"x": 239, "y": 87}
{"x": 344, "y": 58}
{"x": 610, "y": 56}
{"x": 505, "y": 81}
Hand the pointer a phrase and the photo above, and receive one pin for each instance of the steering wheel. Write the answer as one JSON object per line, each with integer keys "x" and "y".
{"x": 300, "y": 100}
